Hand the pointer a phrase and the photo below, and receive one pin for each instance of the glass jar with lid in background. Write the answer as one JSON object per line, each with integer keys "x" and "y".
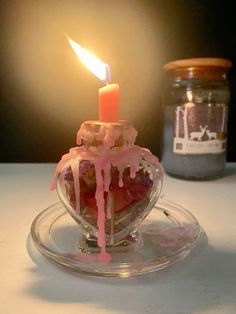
{"x": 196, "y": 101}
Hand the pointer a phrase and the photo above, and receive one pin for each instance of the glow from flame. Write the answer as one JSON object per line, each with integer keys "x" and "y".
{"x": 189, "y": 95}
{"x": 91, "y": 62}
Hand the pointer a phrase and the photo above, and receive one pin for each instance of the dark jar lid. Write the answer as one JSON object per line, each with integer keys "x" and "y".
{"x": 205, "y": 68}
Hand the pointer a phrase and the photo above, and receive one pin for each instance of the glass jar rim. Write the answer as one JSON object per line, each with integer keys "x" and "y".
{"x": 198, "y": 62}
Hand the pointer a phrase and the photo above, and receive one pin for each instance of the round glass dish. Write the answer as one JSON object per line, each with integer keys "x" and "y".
{"x": 166, "y": 236}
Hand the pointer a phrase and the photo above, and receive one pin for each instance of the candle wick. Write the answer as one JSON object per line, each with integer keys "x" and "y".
{"x": 108, "y": 74}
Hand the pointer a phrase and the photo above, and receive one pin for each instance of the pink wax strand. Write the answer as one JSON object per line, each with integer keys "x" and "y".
{"x": 99, "y": 195}
{"x": 109, "y": 205}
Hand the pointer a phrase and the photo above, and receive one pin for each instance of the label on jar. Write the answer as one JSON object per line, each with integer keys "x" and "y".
{"x": 200, "y": 129}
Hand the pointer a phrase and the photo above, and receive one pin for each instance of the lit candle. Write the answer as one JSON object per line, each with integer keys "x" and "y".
{"x": 108, "y": 103}
{"x": 109, "y": 94}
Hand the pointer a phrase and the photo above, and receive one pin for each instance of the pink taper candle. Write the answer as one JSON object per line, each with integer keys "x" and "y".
{"x": 108, "y": 103}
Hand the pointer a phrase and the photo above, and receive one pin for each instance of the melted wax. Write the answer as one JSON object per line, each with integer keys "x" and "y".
{"x": 104, "y": 156}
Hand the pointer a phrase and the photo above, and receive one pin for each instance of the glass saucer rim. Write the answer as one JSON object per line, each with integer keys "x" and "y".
{"x": 75, "y": 265}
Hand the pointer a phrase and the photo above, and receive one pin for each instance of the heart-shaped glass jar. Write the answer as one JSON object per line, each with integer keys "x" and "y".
{"x": 108, "y": 184}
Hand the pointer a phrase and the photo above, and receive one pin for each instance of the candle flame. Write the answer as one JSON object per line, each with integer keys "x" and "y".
{"x": 91, "y": 62}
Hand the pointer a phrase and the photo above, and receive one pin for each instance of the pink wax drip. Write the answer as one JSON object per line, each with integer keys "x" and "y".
{"x": 127, "y": 156}
{"x": 64, "y": 159}
{"x": 99, "y": 195}
{"x": 107, "y": 134}
{"x": 109, "y": 205}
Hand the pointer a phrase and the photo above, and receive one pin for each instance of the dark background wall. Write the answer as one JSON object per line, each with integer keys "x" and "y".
{"x": 45, "y": 93}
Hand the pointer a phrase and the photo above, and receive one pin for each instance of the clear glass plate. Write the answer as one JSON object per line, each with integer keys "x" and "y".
{"x": 167, "y": 235}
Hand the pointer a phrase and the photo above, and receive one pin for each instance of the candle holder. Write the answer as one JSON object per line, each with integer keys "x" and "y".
{"x": 110, "y": 187}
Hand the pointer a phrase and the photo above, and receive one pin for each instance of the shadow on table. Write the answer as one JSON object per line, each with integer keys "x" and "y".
{"x": 202, "y": 281}
{"x": 229, "y": 173}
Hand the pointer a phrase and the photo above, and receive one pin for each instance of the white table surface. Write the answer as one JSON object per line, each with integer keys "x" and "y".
{"x": 205, "y": 282}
